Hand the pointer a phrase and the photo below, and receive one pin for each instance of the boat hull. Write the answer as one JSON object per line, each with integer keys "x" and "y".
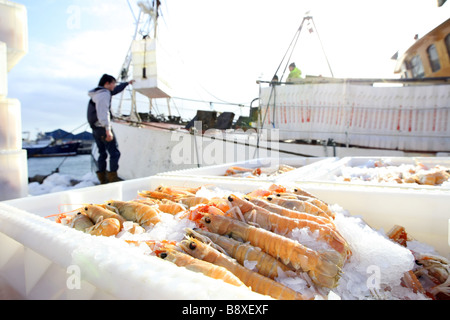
{"x": 339, "y": 119}
{"x": 64, "y": 150}
{"x": 148, "y": 150}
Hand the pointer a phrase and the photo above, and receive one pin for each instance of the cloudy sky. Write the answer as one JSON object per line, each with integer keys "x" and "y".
{"x": 218, "y": 48}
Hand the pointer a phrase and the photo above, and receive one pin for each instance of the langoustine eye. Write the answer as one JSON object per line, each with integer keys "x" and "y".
{"x": 192, "y": 246}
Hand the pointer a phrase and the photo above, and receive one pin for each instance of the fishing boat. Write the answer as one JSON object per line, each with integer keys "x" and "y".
{"x": 46, "y": 146}
{"x": 309, "y": 117}
{"x": 428, "y": 57}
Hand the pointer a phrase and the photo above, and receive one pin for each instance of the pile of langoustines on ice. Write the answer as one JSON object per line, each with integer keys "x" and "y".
{"x": 374, "y": 269}
{"x": 385, "y": 172}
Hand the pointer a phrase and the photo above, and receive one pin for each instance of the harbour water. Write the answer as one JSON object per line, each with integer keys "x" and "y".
{"x": 74, "y": 173}
{"x": 75, "y": 166}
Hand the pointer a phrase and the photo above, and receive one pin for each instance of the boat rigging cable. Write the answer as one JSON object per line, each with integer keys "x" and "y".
{"x": 65, "y": 158}
{"x": 289, "y": 51}
{"x": 154, "y": 11}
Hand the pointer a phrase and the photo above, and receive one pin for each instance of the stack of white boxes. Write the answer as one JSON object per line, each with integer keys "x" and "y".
{"x": 405, "y": 118}
{"x": 13, "y": 46}
{"x": 150, "y": 69}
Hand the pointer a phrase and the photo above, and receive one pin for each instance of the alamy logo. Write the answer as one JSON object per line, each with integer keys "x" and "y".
{"x": 374, "y": 279}
{"x": 218, "y": 146}
{"x": 74, "y": 19}
{"x": 74, "y": 279}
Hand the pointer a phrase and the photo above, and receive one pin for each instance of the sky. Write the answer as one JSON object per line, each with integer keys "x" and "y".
{"x": 217, "y": 49}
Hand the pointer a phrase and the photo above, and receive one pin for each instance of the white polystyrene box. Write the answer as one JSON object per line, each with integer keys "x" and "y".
{"x": 153, "y": 87}
{"x": 114, "y": 272}
{"x": 151, "y": 69}
{"x": 3, "y": 71}
{"x": 14, "y": 30}
{"x": 303, "y": 166}
{"x": 424, "y": 214}
{"x": 10, "y": 125}
{"x": 109, "y": 269}
{"x": 421, "y": 209}
{"x": 41, "y": 260}
{"x": 333, "y": 171}
{"x": 13, "y": 174}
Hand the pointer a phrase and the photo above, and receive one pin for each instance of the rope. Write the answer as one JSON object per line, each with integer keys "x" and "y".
{"x": 57, "y": 168}
{"x": 291, "y": 48}
{"x": 323, "y": 50}
{"x": 293, "y": 39}
{"x": 292, "y": 51}
{"x": 212, "y": 102}
{"x": 291, "y": 45}
{"x": 230, "y": 141}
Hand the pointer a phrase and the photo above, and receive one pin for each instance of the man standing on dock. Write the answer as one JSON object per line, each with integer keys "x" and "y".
{"x": 99, "y": 117}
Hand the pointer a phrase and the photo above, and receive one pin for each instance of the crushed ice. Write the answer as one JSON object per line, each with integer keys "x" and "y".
{"x": 373, "y": 271}
{"x": 377, "y": 264}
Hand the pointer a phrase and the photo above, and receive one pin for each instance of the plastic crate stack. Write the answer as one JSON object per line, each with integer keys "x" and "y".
{"x": 404, "y": 118}
{"x": 151, "y": 69}
{"x": 13, "y": 46}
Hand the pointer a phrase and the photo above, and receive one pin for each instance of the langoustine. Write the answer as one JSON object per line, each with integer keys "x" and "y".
{"x": 281, "y": 210}
{"x": 98, "y": 213}
{"x": 140, "y": 213}
{"x": 107, "y": 228}
{"x": 255, "y": 281}
{"x": 243, "y": 252}
{"x": 284, "y": 225}
{"x": 302, "y": 204}
{"x": 170, "y": 253}
{"x": 82, "y": 222}
{"x": 431, "y": 270}
{"x": 323, "y": 268}
{"x": 173, "y": 193}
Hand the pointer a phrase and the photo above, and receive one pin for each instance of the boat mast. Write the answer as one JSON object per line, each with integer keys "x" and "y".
{"x": 306, "y": 19}
{"x": 145, "y": 21}
{"x": 309, "y": 19}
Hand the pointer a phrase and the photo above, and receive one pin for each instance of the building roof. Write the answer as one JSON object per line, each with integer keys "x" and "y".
{"x": 60, "y": 134}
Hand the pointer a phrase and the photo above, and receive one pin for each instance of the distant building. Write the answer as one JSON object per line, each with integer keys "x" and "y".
{"x": 65, "y": 136}
{"x": 84, "y": 136}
